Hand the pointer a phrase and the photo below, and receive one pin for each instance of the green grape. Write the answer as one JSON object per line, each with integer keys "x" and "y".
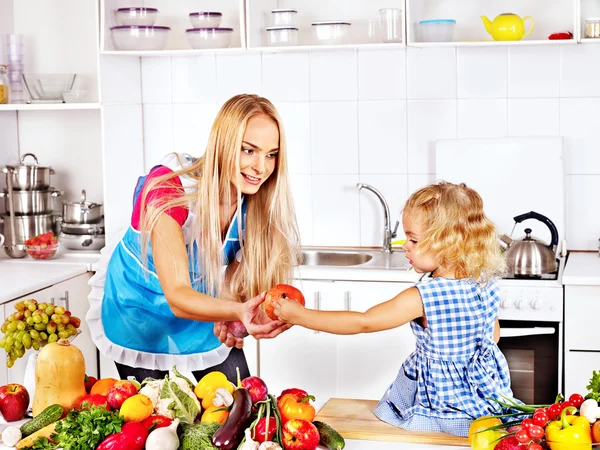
{"x": 52, "y": 338}
{"x": 10, "y": 318}
{"x": 42, "y": 305}
{"x": 61, "y": 327}
{"x": 20, "y": 334}
{"x": 45, "y": 318}
{"x": 63, "y": 334}
{"x": 27, "y": 313}
{"x": 3, "y": 342}
{"x": 20, "y": 352}
{"x": 30, "y": 321}
{"x": 49, "y": 310}
{"x": 32, "y": 307}
{"x": 35, "y": 335}
{"x": 43, "y": 336}
{"x": 39, "y": 326}
{"x": 18, "y": 315}
{"x": 12, "y": 326}
{"x": 21, "y": 325}
{"x": 17, "y": 345}
{"x": 51, "y": 327}
{"x": 35, "y": 345}
{"x": 26, "y": 341}
{"x": 60, "y": 310}
{"x": 37, "y": 318}
{"x": 9, "y": 363}
{"x": 55, "y": 318}
{"x": 71, "y": 329}
{"x": 4, "y": 327}
{"x": 20, "y": 306}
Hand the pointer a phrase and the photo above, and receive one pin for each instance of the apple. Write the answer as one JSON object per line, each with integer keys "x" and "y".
{"x": 14, "y": 401}
{"x": 237, "y": 328}
{"x": 92, "y": 400}
{"x": 281, "y": 291}
{"x": 509, "y": 443}
{"x": 299, "y": 434}
{"x": 257, "y": 389}
{"x": 119, "y": 392}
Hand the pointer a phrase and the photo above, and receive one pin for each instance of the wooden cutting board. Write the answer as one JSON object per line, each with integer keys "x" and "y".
{"x": 354, "y": 419}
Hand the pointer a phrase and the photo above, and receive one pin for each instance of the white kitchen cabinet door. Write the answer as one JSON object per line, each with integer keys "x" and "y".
{"x": 581, "y": 310}
{"x": 368, "y": 363}
{"x": 302, "y": 358}
{"x": 581, "y": 365}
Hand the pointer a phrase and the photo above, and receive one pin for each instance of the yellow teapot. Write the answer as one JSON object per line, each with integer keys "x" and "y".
{"x": 507, "y": 27}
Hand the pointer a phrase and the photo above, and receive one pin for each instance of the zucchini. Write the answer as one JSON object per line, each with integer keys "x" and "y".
{"x": 329, "y": 437}
{"x": 49, "y": 415}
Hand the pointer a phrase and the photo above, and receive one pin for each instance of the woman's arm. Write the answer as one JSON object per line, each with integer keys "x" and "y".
{"x": 403, "y": 308}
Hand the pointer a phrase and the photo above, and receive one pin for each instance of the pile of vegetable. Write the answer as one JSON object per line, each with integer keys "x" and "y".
{"x": 567, "y": 424}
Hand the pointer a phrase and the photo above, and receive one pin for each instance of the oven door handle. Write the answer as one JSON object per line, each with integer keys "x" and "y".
{"x": 521, "y": 332}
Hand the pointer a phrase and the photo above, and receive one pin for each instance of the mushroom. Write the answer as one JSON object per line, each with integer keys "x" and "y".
{"x": 590, "y": 410}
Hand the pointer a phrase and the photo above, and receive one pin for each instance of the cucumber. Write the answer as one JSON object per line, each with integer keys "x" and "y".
{"x": 49, "y": 415}
{"x": 329, "y": 437}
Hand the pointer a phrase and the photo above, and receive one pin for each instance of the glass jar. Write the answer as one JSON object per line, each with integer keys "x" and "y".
{"x": 4, "y": 86}
{"x": 592, "y": 28}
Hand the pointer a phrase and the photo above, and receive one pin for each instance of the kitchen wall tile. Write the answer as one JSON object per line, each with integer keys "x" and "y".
{"x": 333, "y": 75}
{"x": 482, "y": 72}
{"x": 158, "y": 133}
{"x": 382, "y": 137}
{"x": 395, "y": 191}
{"x": 534, "y": 71}
{"x": 194, "y": 79}
{"x": 583, "y": 219}
{"x": 238, "y": 74}
{"x": 533, "y": 116}
{"x": 336, "y": 216}
{"x": 296, "y": 123}
{"x": 418, "y": 180}
{"x": 301, "y": 185}
{"x": 579, "y": 126}
{"x": 156, "y": 79}
{"x": 334, "y": 140}
{"x": 431, "y": 73}
{"x": 428, "y": 120}
{"x": 286, "y": 77}
{"x": 123, "y": 163}
{"x": 579, "y": 71}
{"x": 377, "y": 84}
{"x": 121, "y": 80}
{"x": 191, "y": 126}
{"x": 482, "y": 118}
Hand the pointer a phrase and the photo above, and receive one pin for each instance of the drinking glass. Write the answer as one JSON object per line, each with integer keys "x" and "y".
{"x": 390, "y": 21}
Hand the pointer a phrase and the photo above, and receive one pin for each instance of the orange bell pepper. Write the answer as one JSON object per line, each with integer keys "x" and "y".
{"x": 295, "y": 405}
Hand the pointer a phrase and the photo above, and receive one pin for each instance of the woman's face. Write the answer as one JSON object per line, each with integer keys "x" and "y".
{"x": 258, "y": 155}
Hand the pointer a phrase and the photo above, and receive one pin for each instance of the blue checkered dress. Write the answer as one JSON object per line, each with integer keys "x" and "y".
{"x": 444, "y": 383}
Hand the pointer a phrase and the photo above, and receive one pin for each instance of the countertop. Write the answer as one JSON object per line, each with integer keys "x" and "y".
{"x": 19, "y": 277}
{"x": 582, "y": 269}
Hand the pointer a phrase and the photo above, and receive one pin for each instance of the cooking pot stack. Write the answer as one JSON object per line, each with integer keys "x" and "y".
{"x": 28, "y": 202}
{"x": 82, "y": 225}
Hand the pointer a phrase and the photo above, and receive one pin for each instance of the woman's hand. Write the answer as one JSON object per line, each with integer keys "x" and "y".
{"x": 221, "y": 331}
{"x": 289, "y": 311}
{"x": 257, "y": 322}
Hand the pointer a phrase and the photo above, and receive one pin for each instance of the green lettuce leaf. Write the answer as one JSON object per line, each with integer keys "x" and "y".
{"x": 182, "y": 405}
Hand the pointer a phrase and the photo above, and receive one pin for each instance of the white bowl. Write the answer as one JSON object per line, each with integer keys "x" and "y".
{"x": 440, "y": 30}
{"x": 136, "y": 16}
{"x": 282, "y": 36}
{"x": 205, "y": 19}
{"x": 74, "y": 96}
{"x": 134, "y": 37}
{"x": 199, "y": 38}
{"x": 331, "y": 32}
{"x": 284, "y": 17}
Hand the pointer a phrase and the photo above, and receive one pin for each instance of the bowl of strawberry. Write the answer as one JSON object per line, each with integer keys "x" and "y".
{"x": 43, "y": 246}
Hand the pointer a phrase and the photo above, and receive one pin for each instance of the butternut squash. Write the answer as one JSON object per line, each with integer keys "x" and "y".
{"x": 59, "y": 376}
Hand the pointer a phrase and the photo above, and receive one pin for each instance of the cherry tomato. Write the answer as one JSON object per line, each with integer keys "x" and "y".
{"x": 564, "y": 405}
{"x": 576, "y": 399}
{"x": 540, "y": 418}
{"x": 554, "y": 411}
{"x": 522, "y": 436}
{"x": 535, "y": 446}
{"x": 536, "y": 432}
{"x": 527, "y": 424}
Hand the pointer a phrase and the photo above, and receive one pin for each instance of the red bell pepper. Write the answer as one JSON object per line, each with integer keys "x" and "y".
{"x": 298, "y": 393}
{"x": 154, "y": 422}
{"x": 89, "y": 382}
{"x": 260, "y": 432}
{"x": 132, "y": 436}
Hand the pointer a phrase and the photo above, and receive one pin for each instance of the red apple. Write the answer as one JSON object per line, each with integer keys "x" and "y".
{"x": 93, "y": 400}
{"x": 14, "y": 401}
{"x": 300, "y": 434}
{"x": 509, "y": 443}
{"x": 119, "y": 392}
{"x": 237, "y": 328}
{"x": 257, "y": 389}
{"x": 281, "y": 291}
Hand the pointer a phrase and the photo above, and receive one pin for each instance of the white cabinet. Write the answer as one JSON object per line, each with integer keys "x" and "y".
{"x": 326, "y": 365}
{"x": 578, "y": 371}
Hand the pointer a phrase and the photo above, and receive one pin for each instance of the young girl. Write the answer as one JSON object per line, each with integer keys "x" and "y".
{"x": 457, "y": 366}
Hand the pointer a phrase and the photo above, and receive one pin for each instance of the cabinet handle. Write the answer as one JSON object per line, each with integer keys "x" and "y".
{"x": 348, "y": 300}
{"x": 66, "y": 300}
{"x": 317, "y": 304}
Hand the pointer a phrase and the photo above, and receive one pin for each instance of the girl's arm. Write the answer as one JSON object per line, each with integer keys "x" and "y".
{"x": 497, "y": 331}
{"x": 171, "y": 261}
{"x": 403, "y": 308}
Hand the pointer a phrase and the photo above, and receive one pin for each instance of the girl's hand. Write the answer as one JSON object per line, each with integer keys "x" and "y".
{"x": 221, "y": 331}
{"x": 288, "y": 311}
{"x": 257, "y": 323}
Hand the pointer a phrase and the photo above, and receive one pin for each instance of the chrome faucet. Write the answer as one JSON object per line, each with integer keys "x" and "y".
{"x": 388, "y": 234}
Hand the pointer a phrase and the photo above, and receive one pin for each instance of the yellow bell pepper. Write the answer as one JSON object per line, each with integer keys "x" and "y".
{"x": 480, "y": 437}
{"x": 206, "y": 387}
{"x": 569, "y": 432}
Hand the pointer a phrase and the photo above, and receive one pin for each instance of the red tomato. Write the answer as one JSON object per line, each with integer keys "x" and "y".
{"x": 536, "y": 432}
{"x": 576, "y": 399}
{"x": 522, "y": 436}
{"x": 527, "y": 424}
{"x": 554, "y": 411}
{"x": 540, "y": 418}
{"x": 153, "y": 422}
{"x": 535, "y": 446}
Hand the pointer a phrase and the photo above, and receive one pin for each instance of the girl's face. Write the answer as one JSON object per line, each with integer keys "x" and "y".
{"x": 258, "y": 155}
{"x": 413, "y": 229}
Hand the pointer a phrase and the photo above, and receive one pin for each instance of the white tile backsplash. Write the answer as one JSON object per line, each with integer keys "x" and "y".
{"x": 374, "y": 115}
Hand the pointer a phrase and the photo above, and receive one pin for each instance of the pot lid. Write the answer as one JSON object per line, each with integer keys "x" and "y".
{"x": 94, "y": 229}
{"x": 83, "y": 202}
{"x": 22, "y": 163}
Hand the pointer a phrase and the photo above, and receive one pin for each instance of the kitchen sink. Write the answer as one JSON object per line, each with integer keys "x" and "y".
{"x": 358, "y": 257}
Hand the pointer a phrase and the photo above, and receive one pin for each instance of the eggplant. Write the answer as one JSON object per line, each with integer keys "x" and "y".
{"x": 230, "y": 434}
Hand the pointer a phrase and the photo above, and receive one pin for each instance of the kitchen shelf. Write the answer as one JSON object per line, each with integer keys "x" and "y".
{"x": 48, "y": 106}
{"x": 493, "y": 43}
{"x": 177, "y": 52}
{"x": 590, "y": 40}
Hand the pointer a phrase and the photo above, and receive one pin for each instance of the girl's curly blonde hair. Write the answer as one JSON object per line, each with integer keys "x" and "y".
{"x": 457, "y": 232}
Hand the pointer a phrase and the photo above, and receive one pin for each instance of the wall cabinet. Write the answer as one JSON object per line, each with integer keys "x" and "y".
{"x": 326, "y": 365}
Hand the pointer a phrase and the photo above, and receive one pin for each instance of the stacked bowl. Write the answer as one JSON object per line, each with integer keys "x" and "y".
{"x": 136, "y": 30}
{"x": 206, "y": 32}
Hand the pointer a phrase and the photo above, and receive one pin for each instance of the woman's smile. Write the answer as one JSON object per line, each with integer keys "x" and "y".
{"x": 251, "y": 180}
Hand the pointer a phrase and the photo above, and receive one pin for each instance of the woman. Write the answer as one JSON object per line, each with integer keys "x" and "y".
{"x": 156, "y": 295}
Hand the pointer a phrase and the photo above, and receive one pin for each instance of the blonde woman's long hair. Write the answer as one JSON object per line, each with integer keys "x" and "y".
{"x": 457, "y": 232}
{"x": 271, "y": 246}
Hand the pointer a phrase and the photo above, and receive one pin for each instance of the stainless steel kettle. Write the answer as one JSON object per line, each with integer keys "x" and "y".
{"x": 529, "y": 256}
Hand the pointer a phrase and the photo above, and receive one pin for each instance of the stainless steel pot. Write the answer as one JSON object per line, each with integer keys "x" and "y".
{"x": 81, "y": 242}
{"x": 82, "y": 211}
{"x": 31, "y": 202}
{"x": 82, "y": 228}
{"x": 28, "y": 226}
{"x": 26, "y": 177}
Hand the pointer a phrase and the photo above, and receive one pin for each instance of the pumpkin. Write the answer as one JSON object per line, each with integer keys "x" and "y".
{"x": 59, "y": 376}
